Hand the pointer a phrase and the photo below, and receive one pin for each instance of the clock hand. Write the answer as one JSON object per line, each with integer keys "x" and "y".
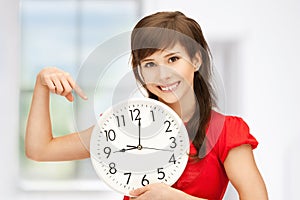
{"x": 123, "y": 150}
{"x": 157, "y": 149}
{"x": 131, "y": 146}
{"x": 139, "y": 147}
{"x": 139, "y": 133}
{"x": 149, "y": 148}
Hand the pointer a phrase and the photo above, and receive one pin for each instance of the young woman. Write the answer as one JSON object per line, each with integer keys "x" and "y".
{"x": 171, "y": 59}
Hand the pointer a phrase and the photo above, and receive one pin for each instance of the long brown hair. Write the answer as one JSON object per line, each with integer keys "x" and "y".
{"x": 164, "y": 29}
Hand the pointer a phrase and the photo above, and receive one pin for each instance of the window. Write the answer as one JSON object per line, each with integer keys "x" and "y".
{"x": 62, "y": 34}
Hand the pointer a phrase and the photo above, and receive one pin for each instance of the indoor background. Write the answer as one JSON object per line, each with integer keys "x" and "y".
{"x": 255, "y": 47}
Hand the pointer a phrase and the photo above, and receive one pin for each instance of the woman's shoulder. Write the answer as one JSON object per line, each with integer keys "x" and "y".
{"x": 229, "y": 126}
{"x": 227, "y": 121}
{"x": 232, "y": 130}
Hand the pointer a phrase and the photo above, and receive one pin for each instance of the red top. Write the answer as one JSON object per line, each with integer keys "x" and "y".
{"x": 207, "y": 178}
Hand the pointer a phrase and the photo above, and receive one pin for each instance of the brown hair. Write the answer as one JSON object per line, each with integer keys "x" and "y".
{"x": 164, "y": 29}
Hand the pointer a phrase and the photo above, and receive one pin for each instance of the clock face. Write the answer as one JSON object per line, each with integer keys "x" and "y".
{"x": 138, "y": 142}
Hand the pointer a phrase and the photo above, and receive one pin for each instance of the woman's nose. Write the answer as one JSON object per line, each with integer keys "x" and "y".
{"x": 164, "y": 72}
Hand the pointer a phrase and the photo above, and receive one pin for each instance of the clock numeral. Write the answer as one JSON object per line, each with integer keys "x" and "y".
{"x": 119, "y": 120}
{"x": 168, "y": 126}
{"x": 161, "y": 173}
{"x": 129, "y": 175}
{"x": 152, "y": 115}
{"x": 145, "y": 181}
{"x": 110, "y": 135}
{"x": 172, "y": 159}
{"x": 173, "y": 144}
{"x": 112, "y": 168}
{"x": 135, "y": 117}
{"x": 107, "y": 151}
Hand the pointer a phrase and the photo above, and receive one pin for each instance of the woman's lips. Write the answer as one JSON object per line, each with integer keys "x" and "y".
{"x": 169, "y": 87}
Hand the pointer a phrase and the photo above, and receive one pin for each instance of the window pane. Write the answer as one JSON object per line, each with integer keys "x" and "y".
{"x": 101, "y": 20}
{"x": 48, "y": 36}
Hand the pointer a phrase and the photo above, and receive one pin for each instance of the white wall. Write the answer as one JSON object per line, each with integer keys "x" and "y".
{"x": 267, "y": 32}
{"x": 9, "y": 74}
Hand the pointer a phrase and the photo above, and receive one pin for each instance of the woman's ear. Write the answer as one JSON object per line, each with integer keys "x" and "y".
{"x": 197, "y": 61}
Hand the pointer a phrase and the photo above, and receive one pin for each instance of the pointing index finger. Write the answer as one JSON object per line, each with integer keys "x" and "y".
{"x": 77, "y": 89}
{"x": 80, "y": 92}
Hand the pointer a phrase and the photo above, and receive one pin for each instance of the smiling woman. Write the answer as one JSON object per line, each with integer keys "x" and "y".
{"x": 220, "y": 145}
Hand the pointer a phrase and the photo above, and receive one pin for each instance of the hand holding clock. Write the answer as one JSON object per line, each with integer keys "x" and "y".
{"x": 160, "y": 191}
{"x": 156, "y": 191}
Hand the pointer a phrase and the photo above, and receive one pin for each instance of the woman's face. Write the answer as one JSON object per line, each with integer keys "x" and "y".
{"x": 169, "y": 73}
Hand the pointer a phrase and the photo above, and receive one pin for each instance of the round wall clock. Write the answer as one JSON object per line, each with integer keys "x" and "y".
{"x": 138, "y": 142}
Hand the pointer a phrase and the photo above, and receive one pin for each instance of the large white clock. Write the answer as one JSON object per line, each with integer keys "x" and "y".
{"x": 138, "y": 142}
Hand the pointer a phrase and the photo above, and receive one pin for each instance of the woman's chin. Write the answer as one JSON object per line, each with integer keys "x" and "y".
{"x": 169, "y": 99}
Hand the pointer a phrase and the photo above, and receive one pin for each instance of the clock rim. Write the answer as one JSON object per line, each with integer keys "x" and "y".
{"x": 108, "y": 112}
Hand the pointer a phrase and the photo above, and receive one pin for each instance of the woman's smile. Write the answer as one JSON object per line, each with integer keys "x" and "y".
{"x": 169, "y": 87}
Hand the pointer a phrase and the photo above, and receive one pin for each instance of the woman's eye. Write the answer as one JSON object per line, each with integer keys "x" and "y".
{"x": 173, "y": 59}
{"x": 149, "y": 64}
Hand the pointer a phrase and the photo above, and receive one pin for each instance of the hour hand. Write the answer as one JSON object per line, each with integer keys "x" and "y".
{"x": 128, "y": 149}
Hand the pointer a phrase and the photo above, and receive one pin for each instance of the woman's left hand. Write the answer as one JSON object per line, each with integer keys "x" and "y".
{"x": 156, "y": 191}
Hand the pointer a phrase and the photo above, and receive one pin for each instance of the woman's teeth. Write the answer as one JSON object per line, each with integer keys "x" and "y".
{"x": 169, "y": 87}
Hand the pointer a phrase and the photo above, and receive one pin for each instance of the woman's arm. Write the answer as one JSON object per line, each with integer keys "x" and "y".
{"x": 244, "y": 175}
{"x": 40, "y": 144}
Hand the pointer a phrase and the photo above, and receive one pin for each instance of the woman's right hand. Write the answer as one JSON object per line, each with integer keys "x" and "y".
{"x": 59, "y": 82}
{"x": 40, "y": 143}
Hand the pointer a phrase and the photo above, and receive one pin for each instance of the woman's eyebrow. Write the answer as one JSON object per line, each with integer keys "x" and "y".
{"x": 171, "y": 54}
{"x": 165, "y": 56}
{"x": 147, "y": 60}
